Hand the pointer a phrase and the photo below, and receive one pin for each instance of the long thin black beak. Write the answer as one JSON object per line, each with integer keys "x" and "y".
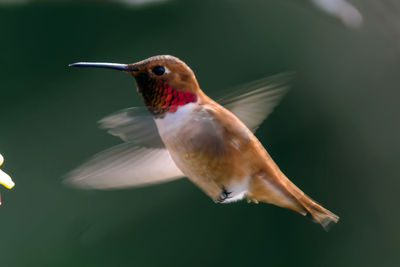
{"x": 115, "y": 66}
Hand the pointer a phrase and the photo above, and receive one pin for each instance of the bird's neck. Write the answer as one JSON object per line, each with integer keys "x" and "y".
{"x": 161, "y": 98}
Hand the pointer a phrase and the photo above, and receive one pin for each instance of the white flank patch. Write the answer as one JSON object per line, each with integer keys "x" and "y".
{"x": 238, "y": 191}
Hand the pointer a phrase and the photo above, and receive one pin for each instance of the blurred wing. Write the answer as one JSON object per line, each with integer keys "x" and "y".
{"x": 253, "y": 102}
{"x": 124, "y": 166}
{"x": 135, "y": 125}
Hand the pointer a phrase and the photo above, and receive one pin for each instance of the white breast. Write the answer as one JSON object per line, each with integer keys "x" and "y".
{"x": 172, "y": 122}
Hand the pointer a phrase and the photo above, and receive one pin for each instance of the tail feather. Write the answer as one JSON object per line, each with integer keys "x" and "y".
{"x": 309, "y": 207}
{"x": 313, "y": 210}
{"x": 317, "y": 213}
{"x": 283, "y": 193}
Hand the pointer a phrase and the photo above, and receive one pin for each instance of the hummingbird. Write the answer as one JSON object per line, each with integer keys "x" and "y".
{"x": 181, "y": 132}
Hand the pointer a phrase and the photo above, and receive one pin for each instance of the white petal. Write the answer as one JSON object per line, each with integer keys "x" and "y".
{"x": 6, "y": 180}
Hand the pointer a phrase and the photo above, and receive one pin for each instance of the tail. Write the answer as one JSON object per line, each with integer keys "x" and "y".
{"x": 282, "y": 192}
{"x": 317, "y": 213}
{"x": 312, "y": 209}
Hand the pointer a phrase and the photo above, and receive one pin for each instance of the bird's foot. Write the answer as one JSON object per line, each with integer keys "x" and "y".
{"x": 223, "y": 196}
{"x": 251, "y": 199}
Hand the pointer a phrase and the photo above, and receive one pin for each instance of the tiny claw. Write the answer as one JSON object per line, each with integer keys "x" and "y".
{"x": 251, "y": 199}
{"x": 225, "y": 194}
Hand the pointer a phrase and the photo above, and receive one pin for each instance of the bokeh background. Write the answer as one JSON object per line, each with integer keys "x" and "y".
{"x": 335, "y": 134}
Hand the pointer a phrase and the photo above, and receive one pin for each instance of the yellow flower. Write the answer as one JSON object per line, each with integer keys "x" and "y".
{"x": 5, "y": 179}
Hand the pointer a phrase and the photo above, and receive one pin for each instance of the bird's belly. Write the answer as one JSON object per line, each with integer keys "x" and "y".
{"x": 202, "y": 155}
{"x": 210, "y": 174}
{"x": 170, "y": 127}
{"x": 194, "y": 164}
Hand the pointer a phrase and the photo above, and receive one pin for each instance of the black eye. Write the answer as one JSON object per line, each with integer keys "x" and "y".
{"x": 158, "y": 70}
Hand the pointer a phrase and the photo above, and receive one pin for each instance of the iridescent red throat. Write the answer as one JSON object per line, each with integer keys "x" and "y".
{"x": 162, "y": 98}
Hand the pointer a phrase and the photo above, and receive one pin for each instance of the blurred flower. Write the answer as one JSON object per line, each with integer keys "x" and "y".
{"x": 5, "y": 179}
{"x": 341, "y": 9}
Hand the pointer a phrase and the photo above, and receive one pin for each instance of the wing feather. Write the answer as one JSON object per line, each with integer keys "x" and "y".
{"x": 253, "y": 102}
{"x": 125, "y": 165}
{"x": 135, "y": 125}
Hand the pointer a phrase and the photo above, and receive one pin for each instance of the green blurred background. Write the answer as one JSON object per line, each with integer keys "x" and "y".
{"x": 335, "y": 134}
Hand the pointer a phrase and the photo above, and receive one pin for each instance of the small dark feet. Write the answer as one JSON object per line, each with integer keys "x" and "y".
{"x": 224, "y": 195}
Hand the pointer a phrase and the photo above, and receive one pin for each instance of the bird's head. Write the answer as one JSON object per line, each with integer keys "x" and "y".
{"x": 165, "y": 82}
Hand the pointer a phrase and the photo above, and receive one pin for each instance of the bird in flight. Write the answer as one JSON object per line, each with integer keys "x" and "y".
{"x": 181, "y": 132}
